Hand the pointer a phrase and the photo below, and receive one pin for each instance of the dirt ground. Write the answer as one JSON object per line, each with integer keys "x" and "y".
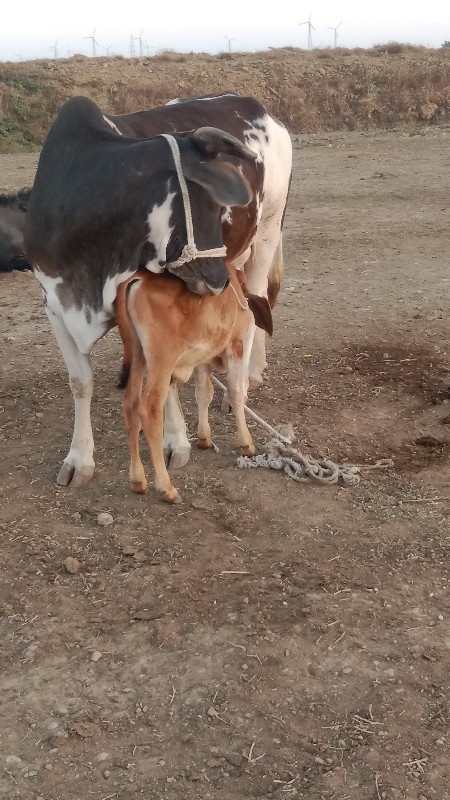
{"x": 264, "y": 638}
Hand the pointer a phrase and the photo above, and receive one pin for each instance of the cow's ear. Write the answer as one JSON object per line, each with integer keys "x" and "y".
{"x": 213, "y": 141}
{"x": 259, "y": 306}
{"x": 223, "y": 181}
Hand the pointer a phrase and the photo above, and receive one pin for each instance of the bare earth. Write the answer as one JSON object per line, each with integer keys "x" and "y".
{"x": 265, "y": 638}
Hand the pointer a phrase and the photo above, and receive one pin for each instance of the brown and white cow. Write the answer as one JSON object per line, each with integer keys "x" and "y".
{"x": 106, "y": 201}
{"x": 169, "y": 333}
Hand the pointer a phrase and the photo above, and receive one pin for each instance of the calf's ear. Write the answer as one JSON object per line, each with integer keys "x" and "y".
{"x": 222, "y": 181}
{"x": 259, "y": 306}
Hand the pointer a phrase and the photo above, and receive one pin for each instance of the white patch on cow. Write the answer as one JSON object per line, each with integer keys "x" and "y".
{"x": 226, "y": 215}
{"x": 159, "y": 232}
{"x": 85, "y": 325}
{"x": 110, "y": 289}
{"x": 112, "y": 125}
{"x": 202, "y": 99}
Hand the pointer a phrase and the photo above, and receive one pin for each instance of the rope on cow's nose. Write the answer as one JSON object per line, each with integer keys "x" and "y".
{"x": 189, "y": 252}
{"x": 280, "y": 455}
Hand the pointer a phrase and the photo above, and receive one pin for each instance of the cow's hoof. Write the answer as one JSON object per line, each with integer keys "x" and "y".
{"x": 76, "y": 476}
{"x": 139, "y": 487}
{"x": 255, "y": 382}
{"x": 171, "y": 496}
{"x": 176, "y": 459}
{"x": 204, "y": 444}
{"x": 248, "y": 450}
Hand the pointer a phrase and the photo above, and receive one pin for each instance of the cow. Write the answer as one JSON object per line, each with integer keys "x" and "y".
{"x": 97, "y": 213}
{"x": 169, "y": 333}
{"x": 13, "y": 209}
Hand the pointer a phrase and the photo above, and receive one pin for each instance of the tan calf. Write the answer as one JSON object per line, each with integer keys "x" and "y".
{"x": 168, "y": 333}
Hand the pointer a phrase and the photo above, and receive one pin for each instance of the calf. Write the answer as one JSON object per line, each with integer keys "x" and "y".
{"x": 169, "y": 333}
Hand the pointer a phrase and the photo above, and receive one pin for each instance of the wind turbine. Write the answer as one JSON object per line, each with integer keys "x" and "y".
{"x": 131, "y": 46}
{"x": 229, "y": 40}
{"x": 54, "y": 49}
{"x": 335, "y": 33}
{"x": 107, "y": 50}
{"x": 141, "y": 44}
{"x": 94, "y": 42}
{"x": 310, "y": 28}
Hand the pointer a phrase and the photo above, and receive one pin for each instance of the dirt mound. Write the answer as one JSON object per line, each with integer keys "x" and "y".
{"x": 309, "y": 91}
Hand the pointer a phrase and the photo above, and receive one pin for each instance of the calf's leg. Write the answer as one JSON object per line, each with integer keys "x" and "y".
{"x": 78, "y": 466}
{"x": 131, "y": 405}
{"x": 152, "y": 419}
{"x": 204, "y": 393}
{"x": 237, "y": 381}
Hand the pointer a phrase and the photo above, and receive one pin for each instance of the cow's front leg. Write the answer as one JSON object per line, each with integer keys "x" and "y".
{"x": 78, "y": 466}
{"x": 177, "y": 448}
{"x": 204, "y": 393}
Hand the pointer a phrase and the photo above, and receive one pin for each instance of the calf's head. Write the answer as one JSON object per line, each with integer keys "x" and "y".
{"x": 213, "y": 184}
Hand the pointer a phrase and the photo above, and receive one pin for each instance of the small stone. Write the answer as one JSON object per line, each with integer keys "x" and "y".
{"x": 31, "y": 774}
{"x": 76, "y": 516}
{"x": 96, "y": 656}
{"x": 212, "y": 712}
{"x": 319, "y": 760}
{"x": 213, "y": 763}
{"x": 128, "y": 550}
{"x": 161, "y": 763}
{"x": 49, "y": 766}
{"x": 347, "y": 671}
{"x": 214, "y": 750}
{"x": 72, "y": 565}
{"x": 389, "y": 672}
{"x": 235, "y": 759}
{"x": 244, "y": 666}
{"x": 62, "y": 710}
{"x": 106, "y": 773}
{"x": 440, "y": 741}
{"x": 105, "y": 518}
{"x": 102, "y": 757}
{"x": 12, "y": 761}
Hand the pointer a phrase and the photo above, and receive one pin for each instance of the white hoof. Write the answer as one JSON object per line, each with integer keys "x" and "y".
{"x": 73, "y": 475}
{"x": 176, "y": 459}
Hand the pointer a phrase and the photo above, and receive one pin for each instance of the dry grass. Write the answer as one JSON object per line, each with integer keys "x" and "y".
{"x": 326, "y": 89}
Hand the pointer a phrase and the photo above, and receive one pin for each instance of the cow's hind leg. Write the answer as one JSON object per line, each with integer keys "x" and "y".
{"x": 79, "y": 465}
{"x": 204, "y": 393}
{"x": 177, "y": 448}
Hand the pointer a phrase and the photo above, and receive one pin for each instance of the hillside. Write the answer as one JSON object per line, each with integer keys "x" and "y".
{"x": 386, "y": 86}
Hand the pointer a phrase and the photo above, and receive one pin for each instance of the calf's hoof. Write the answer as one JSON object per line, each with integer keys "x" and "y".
{"x": 171, "y": 496}
{"x": 139, "y": 487}
{"x": 73, "y": 475}
{"x": 248, "y": 450}
{"x": 176, "y": 459}
{"x": 204, "y": 444}
{"x": 255, "y": 382}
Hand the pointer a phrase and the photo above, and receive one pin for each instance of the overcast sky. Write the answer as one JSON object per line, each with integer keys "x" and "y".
{"x": 31, "y": 27}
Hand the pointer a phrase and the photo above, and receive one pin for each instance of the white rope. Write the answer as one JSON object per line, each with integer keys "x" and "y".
{"x": 189, "y": 252}
{"x": 280, "y": 455}
{"x": 246, "y": 306}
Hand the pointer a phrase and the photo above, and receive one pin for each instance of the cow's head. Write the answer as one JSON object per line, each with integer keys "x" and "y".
{"x": 213, "y": 185}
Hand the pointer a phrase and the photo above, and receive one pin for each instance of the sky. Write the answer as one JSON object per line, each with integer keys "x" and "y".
{"x": 31, "y": 27}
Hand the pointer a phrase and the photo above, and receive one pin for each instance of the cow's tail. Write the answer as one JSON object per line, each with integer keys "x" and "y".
{"x": 275, "y": 274}
{"x": 126, "y": 331}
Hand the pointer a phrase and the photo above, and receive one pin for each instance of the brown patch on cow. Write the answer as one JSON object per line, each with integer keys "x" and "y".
{"x": 237, "y": 348}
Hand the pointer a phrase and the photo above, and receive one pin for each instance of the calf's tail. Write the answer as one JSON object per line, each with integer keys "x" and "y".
{"x": 125, "y": 330}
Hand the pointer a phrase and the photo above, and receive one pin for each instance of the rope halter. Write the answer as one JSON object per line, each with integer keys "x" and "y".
{"x": 189, "y": 251}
